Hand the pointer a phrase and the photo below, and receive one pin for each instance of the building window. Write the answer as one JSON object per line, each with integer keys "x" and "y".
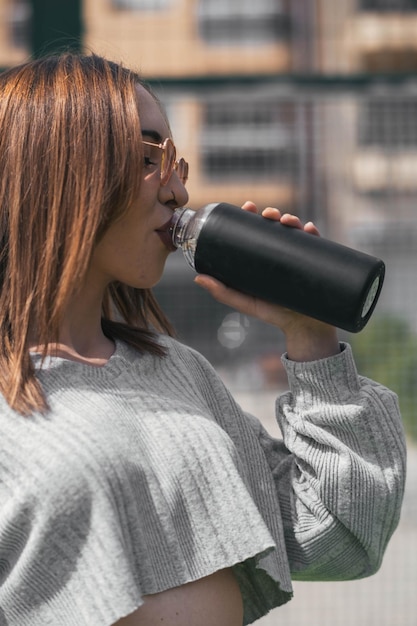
{"x": 141, "y": 5}
{"x": 389, "y": 123}
{"x": 388, "y": 5}
{"x": 244, "y": 139}
{"x": 243, "y": 21}
{"x": 20, "y": 20}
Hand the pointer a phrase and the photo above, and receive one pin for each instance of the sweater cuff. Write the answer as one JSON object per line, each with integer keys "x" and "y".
{"x": 326, "y": 376}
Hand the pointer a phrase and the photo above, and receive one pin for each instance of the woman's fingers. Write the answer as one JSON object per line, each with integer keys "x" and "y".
{"x": 288, "y": 219}
{"x": 250, "y": 207}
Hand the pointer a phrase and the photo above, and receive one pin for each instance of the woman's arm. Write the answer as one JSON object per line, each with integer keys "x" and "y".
{"x": 340, "y": 475}
{"x": 341, "y": 480}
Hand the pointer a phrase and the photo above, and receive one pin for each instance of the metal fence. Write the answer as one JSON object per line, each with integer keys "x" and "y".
{"x": 328, "y": 143}
{"x": 348, "y": 159}
{"x": 349, "y": 153}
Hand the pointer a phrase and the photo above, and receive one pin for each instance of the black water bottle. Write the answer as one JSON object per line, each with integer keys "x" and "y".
{"x": 311, "y": 275}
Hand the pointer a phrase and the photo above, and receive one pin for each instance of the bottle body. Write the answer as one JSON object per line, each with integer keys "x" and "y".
{"x": 311, "y": 275}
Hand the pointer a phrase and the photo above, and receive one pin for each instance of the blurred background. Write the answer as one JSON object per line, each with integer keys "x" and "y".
{"x": 310, "y": 106}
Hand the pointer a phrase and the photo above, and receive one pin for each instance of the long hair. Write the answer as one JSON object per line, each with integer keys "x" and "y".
{"x": 70, "y": 165}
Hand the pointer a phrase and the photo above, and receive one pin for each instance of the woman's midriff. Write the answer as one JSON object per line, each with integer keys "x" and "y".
{"x": 211, "y": 601}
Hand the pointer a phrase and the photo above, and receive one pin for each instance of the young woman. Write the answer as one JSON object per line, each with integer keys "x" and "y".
{"x": 133, "y": 489}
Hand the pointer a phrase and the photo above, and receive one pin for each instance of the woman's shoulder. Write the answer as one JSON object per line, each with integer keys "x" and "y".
{"x": 175, "y": 352}
{"x": 175, "y": 346}
{"x": 183, "y": 355}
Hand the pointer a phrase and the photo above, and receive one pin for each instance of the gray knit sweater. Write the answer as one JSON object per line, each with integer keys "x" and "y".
{"x": 146, "y": 475}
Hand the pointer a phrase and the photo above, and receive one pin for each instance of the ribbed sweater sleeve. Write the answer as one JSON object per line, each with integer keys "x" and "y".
{"x": 341, "y": 484}
{"x": 339, "y": 472}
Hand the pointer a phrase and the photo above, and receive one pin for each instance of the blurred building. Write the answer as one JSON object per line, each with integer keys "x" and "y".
{"x": 247, "y": 134}
{"x": 15, "y": 23}
{"x": 308, "y": 105}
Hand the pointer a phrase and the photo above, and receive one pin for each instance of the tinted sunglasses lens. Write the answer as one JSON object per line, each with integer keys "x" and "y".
{"x": 181, "y": 168}
{"x": 168, "y": 161}
{"x": 151, "y": 153}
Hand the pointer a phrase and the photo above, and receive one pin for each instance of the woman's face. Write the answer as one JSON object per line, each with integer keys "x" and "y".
{"x": 131, "y": 251}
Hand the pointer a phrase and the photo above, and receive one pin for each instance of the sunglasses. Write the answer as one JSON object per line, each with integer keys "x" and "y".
{"x": 164, "y": 156}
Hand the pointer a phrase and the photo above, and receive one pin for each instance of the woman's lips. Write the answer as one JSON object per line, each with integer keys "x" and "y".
{"x": 165, "y": 232}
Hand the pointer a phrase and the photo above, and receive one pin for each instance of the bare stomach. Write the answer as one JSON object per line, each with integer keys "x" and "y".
{"x": 211, "y": 601}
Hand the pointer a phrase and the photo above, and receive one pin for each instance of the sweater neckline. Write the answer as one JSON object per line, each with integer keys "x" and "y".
{"x": 120, "y": 357}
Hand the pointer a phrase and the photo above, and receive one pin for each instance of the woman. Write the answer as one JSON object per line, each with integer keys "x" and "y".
{"x": 134, "y": 490}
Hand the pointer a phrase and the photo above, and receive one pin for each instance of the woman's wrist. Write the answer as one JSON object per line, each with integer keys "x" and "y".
{"x": 311, "y": 342}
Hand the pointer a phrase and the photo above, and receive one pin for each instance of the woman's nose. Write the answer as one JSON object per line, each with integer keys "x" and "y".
{"x": 175, "y": 191}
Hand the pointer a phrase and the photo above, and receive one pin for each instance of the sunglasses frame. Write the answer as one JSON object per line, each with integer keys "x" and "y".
{"x": 180, "y": 166}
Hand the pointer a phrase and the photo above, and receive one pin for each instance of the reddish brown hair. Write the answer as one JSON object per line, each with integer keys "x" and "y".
{"x": 70, "y": 164}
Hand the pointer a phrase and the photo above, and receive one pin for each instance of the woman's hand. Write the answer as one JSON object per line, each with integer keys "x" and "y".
{"x": 307, "y": 339}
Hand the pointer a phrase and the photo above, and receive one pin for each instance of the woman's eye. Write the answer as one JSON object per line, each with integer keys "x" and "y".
{"x": 148, "y": 162}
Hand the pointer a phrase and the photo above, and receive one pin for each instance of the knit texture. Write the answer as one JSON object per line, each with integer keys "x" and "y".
{"x": 146, "y": 475}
